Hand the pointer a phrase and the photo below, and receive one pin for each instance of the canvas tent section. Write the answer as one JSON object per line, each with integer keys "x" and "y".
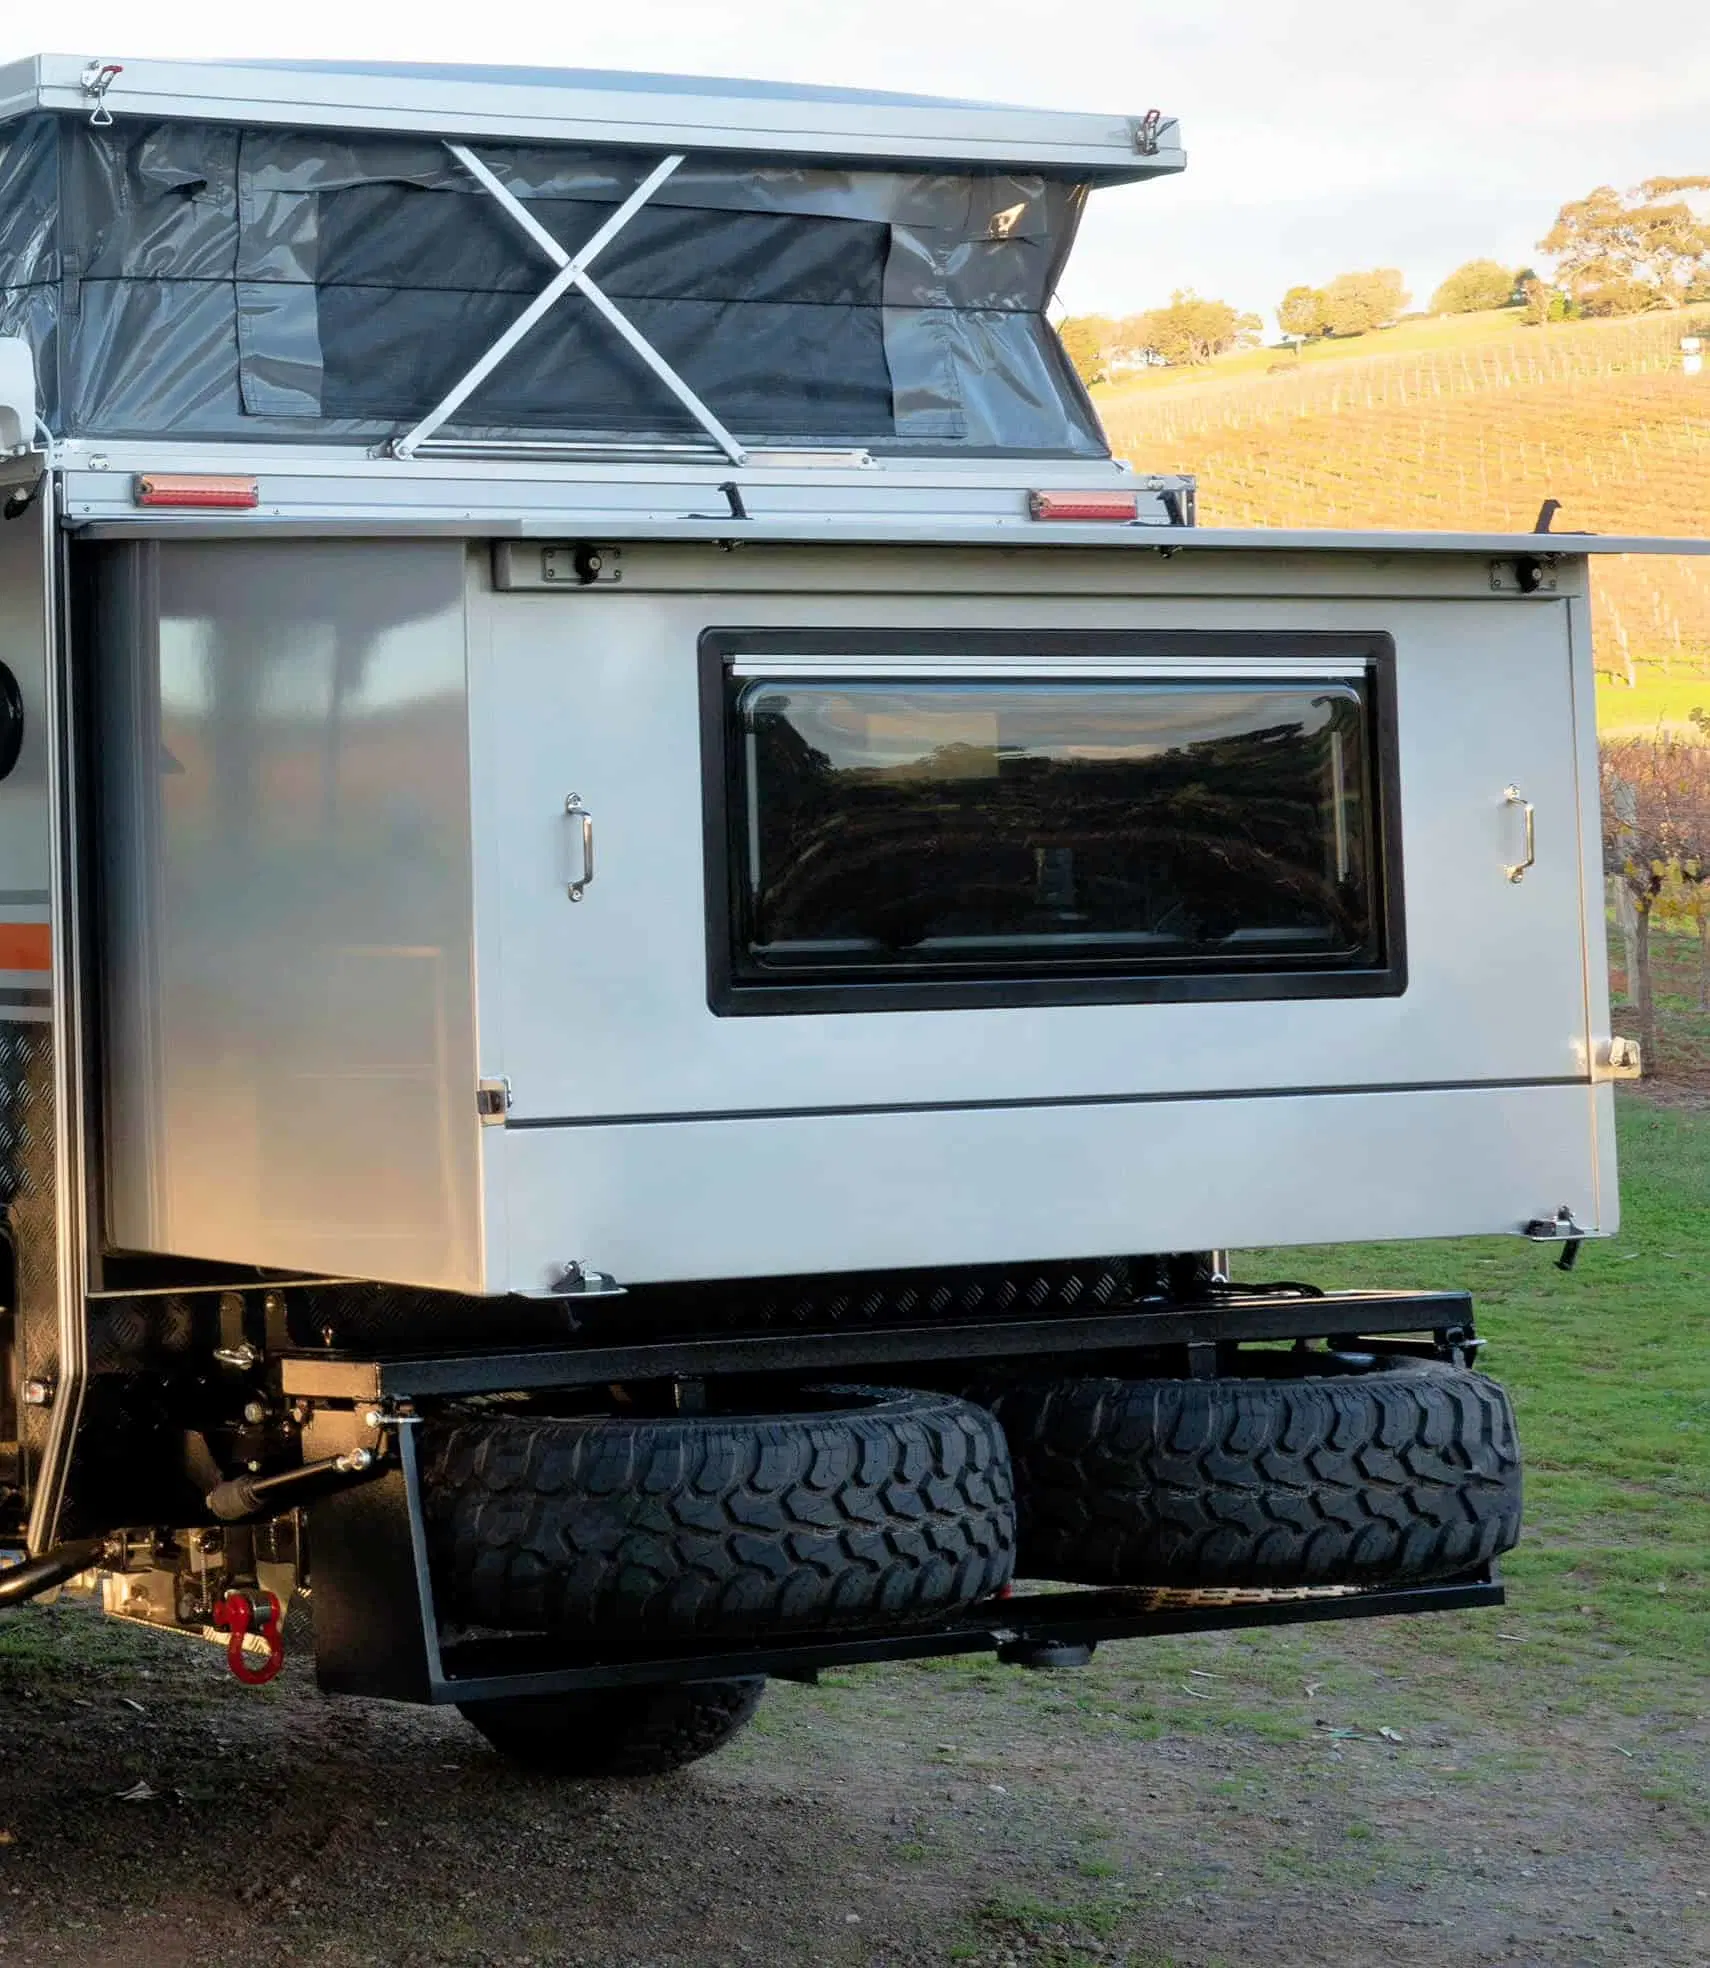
{"x": 230, "y": 280}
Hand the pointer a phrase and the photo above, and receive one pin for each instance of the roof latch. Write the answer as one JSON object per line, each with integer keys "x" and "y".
{"x": 95, "y": 81}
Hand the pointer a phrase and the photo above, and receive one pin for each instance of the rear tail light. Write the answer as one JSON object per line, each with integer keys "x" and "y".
{"x": 1083, "y": 505}
{"x": 198, "y": 490}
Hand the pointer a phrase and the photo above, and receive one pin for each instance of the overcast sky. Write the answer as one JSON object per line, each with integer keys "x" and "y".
{"x": 1320, "y": 137}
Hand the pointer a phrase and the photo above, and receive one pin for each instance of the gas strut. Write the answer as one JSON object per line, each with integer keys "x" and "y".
{"x": 241, "y": 1499}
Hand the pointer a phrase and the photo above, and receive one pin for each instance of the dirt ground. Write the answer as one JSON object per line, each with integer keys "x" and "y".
{"x": 1222, "y": 1800}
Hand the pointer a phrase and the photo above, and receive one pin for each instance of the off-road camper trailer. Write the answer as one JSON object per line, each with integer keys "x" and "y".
{"x": 659, "y": 928}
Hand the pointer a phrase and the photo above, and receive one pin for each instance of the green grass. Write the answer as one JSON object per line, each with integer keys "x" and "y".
{"x": 1057, "y": 1935}
{"x": 1656, "y": 700}
{"x": 1609, "y": 1367}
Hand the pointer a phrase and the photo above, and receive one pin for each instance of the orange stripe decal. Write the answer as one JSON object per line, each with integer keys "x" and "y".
{"x": 26, "y": 946}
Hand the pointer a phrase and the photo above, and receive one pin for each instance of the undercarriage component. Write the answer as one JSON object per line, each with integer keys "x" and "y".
{"x": 179, "y": 1580}
{"x": 628, "y": 1732}
{"x": 1223, "y": 1319}
{"x": 246, "y": 1499}
{"x": 38, "y": 1575}
{"x": 1311, "y": 1469}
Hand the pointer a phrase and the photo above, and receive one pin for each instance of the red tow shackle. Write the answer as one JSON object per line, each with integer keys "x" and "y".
{"x": 241, "y": 1614}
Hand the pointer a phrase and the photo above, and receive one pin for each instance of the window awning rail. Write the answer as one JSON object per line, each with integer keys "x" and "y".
{"x": 572, "y": 276}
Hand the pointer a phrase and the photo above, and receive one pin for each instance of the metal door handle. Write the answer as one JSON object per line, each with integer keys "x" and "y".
{"x": 575, "y": 810}
{"x": 1517, "y": 870}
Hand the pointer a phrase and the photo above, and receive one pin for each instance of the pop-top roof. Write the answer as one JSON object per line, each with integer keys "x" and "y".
{"x": 782, "y": 119}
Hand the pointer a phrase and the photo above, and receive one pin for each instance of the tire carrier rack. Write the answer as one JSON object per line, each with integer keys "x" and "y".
{"x": 377, "y": 1632}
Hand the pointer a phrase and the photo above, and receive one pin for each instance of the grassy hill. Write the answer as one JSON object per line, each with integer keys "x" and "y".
{"x": 1470, "y": 421}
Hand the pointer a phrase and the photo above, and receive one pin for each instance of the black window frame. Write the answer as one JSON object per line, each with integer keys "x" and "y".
{"x": 729, "y": 996}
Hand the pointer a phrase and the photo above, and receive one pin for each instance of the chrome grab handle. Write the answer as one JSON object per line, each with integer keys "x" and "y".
{"x": 575, "y": 810}
{"x": 1517, "y": 870}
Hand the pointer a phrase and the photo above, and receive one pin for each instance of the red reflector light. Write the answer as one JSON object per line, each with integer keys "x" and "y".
{"x": 183, "y": 489}
{"x": 1083, "y": 505}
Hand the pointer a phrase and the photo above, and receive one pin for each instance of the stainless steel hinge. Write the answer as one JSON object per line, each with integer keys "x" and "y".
{"x": 583, "y": 566}
{"x": 493, "y": 1101}
{"x": 1525, "y": 574}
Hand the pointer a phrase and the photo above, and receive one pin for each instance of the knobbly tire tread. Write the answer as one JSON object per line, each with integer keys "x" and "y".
{"x": 886, "y": 1507}
{"x": 618, "y": 1732}
{"x": 1406, "y": 1473}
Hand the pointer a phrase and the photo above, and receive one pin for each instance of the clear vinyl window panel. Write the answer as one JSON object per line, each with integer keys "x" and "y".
{"x": 901, "y": 831}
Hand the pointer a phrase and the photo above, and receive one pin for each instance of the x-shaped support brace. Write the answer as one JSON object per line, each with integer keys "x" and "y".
{"x": 572, "y": 273}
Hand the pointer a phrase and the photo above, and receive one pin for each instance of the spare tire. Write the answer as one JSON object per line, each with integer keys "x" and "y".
{"x": 882, "y": 1507}
{"x": 1335, "y": 1476}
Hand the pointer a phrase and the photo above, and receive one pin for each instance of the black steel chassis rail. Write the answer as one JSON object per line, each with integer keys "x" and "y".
{"x": 482, "y": 1670}
{"x": 339, "y": 1377}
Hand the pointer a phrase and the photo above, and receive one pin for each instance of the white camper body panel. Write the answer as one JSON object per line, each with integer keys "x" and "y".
{"x": 347, "y": 905}
{"x": 783, "y": 1195}
{"x": 596, "y": 694}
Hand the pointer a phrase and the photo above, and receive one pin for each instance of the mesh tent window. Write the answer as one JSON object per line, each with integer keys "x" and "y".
{"x": 217, "y": 282}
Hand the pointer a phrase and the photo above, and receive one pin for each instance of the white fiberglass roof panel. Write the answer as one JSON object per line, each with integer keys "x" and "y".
{"x": 590, "y": 106}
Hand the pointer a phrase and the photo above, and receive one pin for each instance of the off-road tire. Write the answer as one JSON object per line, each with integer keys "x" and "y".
{"x": 617, "y": 1732}
{"x": 884, "y": 1507}
{"x": 1408, "y": 1471}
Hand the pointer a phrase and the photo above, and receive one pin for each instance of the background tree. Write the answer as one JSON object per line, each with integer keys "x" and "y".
{"x": 1648, "y": 833}
{"x": 1695, "y": 850}
{"x": 1612, "y": 297}
{"x": 1472, "y": 288}
{"x": 1620, "y": 253}
{"x": 1545, "y": 303}
{"x": 1086, "y": 340}
{"x": 1192, "y": 330}
{"x": 1355, "y": 303}
{"x": 1300, "y": 313}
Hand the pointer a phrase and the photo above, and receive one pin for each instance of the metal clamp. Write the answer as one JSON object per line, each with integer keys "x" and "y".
{"x": 97, "y": 78}
{"x": 574, "y": 808}
{"x": 1516, "y": 871}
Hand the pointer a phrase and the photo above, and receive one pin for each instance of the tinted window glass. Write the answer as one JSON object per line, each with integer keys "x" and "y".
{"x": 999, "y": 828}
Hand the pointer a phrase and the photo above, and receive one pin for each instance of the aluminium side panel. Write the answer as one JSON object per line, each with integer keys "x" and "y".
{"x": 290, "y": 1074}
{"x": 604, "y": 1003}
{"x": 653, "y": 1137}
{"x": 1593, "y": 892}
{"x": 25, "y": 955}
{"x": 30, "y": 1189}
{"x": 780, "y": 1194}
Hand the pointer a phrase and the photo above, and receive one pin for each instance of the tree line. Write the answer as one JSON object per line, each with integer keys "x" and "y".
{"x": 1614, "y": 253}
{"x": 1656, "y": 854}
